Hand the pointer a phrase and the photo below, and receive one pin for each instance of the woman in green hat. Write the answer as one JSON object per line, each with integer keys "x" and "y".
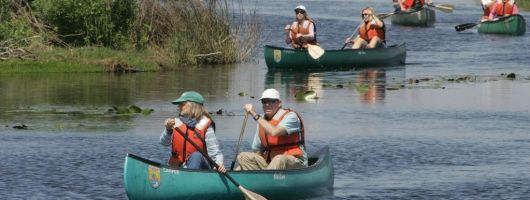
{"x": 195, "y": 122}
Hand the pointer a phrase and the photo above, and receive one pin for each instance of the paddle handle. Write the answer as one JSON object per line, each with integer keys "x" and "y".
{"x": 239, "y": 141}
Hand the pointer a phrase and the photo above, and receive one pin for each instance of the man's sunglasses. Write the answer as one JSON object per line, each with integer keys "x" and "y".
{"x": 269, "y": 101}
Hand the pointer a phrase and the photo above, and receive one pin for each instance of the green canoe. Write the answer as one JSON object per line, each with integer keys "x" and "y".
{"x": 292, "y": 59}
{"x": 511, "y": 25}
{"x": 424, "y": 17}
{"x": 145, "y": 179}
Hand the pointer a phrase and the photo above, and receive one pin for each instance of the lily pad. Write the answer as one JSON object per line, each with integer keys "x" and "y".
{"x": 305, "y": 95}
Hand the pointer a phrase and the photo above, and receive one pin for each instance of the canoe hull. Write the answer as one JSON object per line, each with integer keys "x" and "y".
{"x": 512, "y": 25}
{"x": 425, "y": 17}
{"x": 299, "y": 59}
{"x": 145, "y": 179}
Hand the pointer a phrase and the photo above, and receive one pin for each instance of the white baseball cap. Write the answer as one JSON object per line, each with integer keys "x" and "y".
{"x": 301, "y": 7}
{"x": 486, "y": 2}
{"x": 270, "y": 94}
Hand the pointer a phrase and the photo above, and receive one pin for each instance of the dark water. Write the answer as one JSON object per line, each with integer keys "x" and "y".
{"x": 434, "y": 140}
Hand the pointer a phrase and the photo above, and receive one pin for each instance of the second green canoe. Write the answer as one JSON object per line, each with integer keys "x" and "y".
{"x": 424, "y": 17}
{"x": 511, "y": 25}
{"x": 279, "y": 58}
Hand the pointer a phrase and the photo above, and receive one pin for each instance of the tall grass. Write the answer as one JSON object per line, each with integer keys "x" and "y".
{"x": 170, "y": 34}
{"x": 192, "y": 32}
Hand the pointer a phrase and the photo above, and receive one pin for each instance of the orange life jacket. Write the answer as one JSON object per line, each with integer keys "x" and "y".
{"x": 413, "y": 3}
{"x": 504, "y": 9}
{"x": 302, "y": 29}
{"x": 373, "y": 30}
{"x": 181, "y": 149}
{"x": 284, "y": 144}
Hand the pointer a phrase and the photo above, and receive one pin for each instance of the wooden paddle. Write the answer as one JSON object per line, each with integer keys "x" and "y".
{"x": 447, "y": 8}
{"x": 247, "y": 193}
{"x": 380, "y": 16}
{"x": 239, "y": 141}
{"x": 314, "y": 51}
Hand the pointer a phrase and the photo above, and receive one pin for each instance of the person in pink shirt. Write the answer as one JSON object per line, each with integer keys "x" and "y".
{"x": 503, "y": 8}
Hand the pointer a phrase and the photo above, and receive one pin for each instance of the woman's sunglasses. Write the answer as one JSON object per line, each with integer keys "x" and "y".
{"x": 300, "y": 12}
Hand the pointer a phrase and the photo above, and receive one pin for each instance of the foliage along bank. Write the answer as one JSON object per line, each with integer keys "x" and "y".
{"x": 127, "y": 35}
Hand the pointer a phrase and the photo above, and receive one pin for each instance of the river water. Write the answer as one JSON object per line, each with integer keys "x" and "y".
{"x": 390, "y": 137}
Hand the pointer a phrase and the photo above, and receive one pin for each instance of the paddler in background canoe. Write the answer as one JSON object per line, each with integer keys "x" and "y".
{"x": 503, "y": 8}
{"x": 279, "y": 139}
{"x": 408, "y": 5}
{"x": 371, "y": 31}
{"x": 302, "y": 31}
{"x": 197, "y": 124}
{"x": 487, "y": 5}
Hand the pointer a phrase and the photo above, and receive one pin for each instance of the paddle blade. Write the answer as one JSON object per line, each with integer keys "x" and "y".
{"x": 447, "y": 8}
{"x": 315, "y": 51}
{"x": 249, "y": 195}
{"x": 465, "y": 26}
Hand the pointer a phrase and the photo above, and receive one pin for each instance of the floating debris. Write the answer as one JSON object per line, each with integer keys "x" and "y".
{"x": 21, "y": 127}
{"x": 242, "y": 94}
{"x": 132, "y": 109}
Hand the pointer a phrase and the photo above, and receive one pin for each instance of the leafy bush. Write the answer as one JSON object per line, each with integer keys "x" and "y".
{"x": 14, "y": 29}
{"x": 89, "y": 22}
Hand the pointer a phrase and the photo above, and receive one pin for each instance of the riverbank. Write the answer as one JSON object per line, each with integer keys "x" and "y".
{"x": 84, "y": 59}
{"x": 122, "y": 36}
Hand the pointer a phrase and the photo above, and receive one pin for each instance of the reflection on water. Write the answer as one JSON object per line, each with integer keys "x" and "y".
{"x": 368, "y": 84}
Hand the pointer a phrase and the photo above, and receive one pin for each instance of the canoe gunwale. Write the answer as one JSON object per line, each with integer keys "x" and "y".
{"x": 320, "y": 155}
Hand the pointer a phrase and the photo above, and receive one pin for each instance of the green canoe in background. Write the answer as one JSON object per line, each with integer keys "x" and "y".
{"x": 146, "y": 179}
{"x": 299, "y": 59}
{"x": 424, "y": 17}
{"x": 511, "y": 25}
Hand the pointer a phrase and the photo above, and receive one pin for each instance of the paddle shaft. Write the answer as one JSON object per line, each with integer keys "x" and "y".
{"x": 207, "y": 157}
{"x": 239, "y": 141}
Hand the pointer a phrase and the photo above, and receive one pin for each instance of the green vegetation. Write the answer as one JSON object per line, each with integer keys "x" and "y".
{"x": 121, "y": 35}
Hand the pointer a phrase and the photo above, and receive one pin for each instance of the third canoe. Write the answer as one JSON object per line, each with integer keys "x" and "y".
{"x": 423, "y": 17}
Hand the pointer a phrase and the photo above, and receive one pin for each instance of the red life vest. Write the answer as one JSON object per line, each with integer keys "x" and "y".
{"x": 284, "y": 144}
{"x": 181, "y": 149}
{"x": 504, "y": 9}
{"x": 373, "y": 30}
{"x": 410, "y": 3}
{"x": 302, "y": 29}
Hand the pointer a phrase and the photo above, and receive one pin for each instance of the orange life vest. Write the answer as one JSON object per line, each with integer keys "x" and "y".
{"x": 373, "y": 30}
{"x": 284, "y": 144}
{"x": 504, "y": 9}
{"x": 302, "y": 29}
{"x": 181, "y": 149}
{"x": 416, "y": 3}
